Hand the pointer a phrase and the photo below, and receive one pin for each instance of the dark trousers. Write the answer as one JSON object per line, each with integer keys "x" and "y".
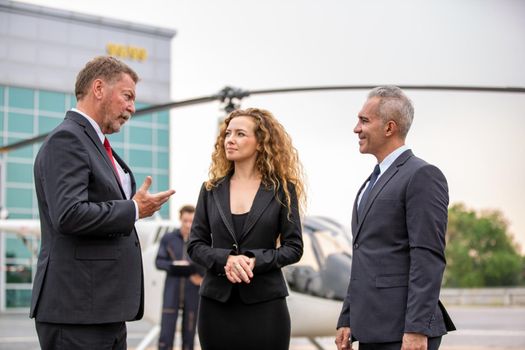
{"x": 170, "y": 312}
{"x": 168, "y": 325}
{"x": 58, "y": 336}
{"x": 433, "y": 344}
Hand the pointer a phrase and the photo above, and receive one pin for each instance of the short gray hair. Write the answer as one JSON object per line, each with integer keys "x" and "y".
{"x": 394, "y": 105}
{"x": 107, "y": 68}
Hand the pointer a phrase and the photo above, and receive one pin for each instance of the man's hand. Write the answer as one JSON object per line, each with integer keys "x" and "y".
{"x": 149, "y": 203}
{"x": 414, "y": 341}
{"x": 342, "y": 338}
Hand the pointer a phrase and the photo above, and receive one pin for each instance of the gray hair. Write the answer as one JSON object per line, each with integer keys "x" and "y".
{"x": 105, "y": 67}
{"x": 394, "y": 105}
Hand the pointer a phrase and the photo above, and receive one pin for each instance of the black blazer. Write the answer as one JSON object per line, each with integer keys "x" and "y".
{"x": 399, "y": 255}
{"x": 90, "y": 267}
{"x": 212, "y": 240}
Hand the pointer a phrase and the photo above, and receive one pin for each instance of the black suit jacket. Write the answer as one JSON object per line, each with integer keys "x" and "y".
{"x": 90, "y": 267}
{"x": 212, "y": 240}
{"x": 399, "y": 255}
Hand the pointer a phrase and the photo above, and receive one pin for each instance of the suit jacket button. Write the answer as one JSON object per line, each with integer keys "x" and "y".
{"x": 136, "y": 243}
{"x": 356, "y": 245}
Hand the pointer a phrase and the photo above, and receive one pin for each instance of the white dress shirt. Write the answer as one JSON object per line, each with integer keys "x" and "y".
{"x": 385, "y": 164}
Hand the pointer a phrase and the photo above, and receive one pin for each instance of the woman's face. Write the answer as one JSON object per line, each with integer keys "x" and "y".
{"x": 240, "y": 142}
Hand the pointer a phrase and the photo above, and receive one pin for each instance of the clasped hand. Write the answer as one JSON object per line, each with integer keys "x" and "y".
{"x": 239, "y": 268}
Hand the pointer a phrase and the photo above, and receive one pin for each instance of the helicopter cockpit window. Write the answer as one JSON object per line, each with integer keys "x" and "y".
{"x": 304, "y": 276}
{"x": 324, "y": 269}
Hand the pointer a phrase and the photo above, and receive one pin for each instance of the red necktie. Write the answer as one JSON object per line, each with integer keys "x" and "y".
{"x": 107, "y": 146}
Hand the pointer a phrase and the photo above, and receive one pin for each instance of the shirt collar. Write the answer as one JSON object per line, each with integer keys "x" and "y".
{"x": 390, "y": 159}
{"x": 93, "y": 123}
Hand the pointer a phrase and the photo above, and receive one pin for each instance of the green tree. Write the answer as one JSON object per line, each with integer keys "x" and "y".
{"x": 480, "y": 252}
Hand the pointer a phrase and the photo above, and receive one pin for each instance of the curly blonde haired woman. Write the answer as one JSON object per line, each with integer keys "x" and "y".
{"x": 246, "y": 228}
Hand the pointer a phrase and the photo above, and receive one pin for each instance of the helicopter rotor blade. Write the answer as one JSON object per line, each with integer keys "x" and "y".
{"x": 509, "y": 89}
{"x": 139, "y": 112}
{"x": 23, "y": 143}
{"x": 229, "y": 95}
{"x": 175, "y": 104}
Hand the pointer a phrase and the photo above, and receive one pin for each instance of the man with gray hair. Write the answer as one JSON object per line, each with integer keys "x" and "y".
{"x": 399, "y": 221}
{"x": 89, "y": 277}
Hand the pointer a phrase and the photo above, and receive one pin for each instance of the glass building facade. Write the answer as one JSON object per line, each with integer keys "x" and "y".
{"x": 32, "y": 107}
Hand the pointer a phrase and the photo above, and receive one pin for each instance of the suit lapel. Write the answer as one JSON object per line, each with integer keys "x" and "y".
{"x": 221, "y": 197}
{"x": 262, "y": 199}
{"x": 378, "y": 187}
{"x": 110, "y": 164}
{"x": 93, "y": 136}
{"x": 354, "y": 210}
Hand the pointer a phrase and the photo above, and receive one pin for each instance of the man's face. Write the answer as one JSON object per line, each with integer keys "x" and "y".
{"x": 185, "y": 224}
{"x": 118, "y": 104}
{"x": 370, "y": 128}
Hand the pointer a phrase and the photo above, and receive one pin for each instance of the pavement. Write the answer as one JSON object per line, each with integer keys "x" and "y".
{"x": 479, "y": 328}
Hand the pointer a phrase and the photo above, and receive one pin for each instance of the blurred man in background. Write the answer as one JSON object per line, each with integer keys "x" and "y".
{"x": 181, "y": 287}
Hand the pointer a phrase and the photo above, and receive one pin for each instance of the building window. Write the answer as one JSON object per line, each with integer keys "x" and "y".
{"x": 20, "y": 264}
{"x": 24, "y": 113}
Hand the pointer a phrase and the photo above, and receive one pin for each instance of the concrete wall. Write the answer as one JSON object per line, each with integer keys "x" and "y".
{"x": 483, "y": 296}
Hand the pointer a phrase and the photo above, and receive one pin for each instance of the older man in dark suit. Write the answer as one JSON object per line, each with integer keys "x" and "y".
{"x": 398, "y": 224}
{"x": 89, "y": 278}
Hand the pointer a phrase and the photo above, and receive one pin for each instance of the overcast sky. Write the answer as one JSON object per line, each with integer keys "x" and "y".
{"x": 475, "y": 138}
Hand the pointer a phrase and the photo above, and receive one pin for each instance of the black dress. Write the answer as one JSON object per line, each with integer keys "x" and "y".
{"x": 235, "y": 325}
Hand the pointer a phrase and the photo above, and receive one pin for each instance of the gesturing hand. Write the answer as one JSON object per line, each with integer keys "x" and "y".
{"x": 239, "y": 268}
{"x": 149, "y": 203}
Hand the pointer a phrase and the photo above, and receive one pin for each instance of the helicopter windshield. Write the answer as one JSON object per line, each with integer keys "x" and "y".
{"x": 324, "y": 269}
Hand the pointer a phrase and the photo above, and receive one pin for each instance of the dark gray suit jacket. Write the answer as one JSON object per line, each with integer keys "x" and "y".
{"x": 90, "y": 267}
{"x": 399, "y": 255}
{"x": 212, "y": 240}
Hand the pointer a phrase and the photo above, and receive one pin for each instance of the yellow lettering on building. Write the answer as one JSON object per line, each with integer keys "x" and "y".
{"x": 127, "y": 52}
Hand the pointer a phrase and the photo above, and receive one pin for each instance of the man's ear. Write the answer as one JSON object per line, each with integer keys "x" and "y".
{"x": 391, "y": 128}
{"x": 98, "y": 88}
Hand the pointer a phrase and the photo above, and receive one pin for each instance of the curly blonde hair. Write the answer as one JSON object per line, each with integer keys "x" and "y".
{"x": 277, "y": 159}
